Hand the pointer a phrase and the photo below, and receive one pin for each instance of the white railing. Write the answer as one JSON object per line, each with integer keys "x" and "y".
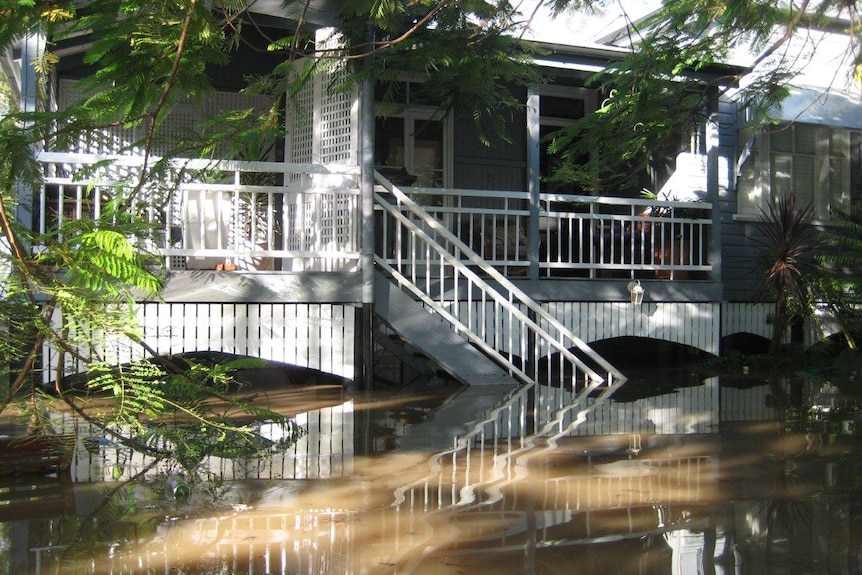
{"x": 579, "y": 236}
{"x": 447, "y": 276}
{"x": 274, "y": 216}
{"x": 252, "y": 216}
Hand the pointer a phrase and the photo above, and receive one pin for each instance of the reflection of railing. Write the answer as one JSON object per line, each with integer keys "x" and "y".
{"x": 513, "y": 445}
{"x": 252, "y": 215}
{"x": 579, "y": 236}
{"x": 486, "y": 456}
{"x": 323, "y": 448}
{"x": 621, "y": 495}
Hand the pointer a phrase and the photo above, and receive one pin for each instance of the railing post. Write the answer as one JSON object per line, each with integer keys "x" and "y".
{"x": 367, "y": 231}
{"x": 533, "y": 173}
{"x": 712, "y": 193}
{"x": 32, "y": 53}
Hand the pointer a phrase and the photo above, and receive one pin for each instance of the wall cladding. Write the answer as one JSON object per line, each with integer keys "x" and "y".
{"x": 694, "y": 324}
{"x": 317, "y": 336}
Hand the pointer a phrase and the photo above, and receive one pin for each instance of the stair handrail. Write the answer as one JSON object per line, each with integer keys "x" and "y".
{"x": 513, "y": 293}
{"x": 493, "y": 294}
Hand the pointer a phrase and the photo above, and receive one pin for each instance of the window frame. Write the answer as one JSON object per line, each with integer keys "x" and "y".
{"x": 541, "y": 120}
{"x": 756, "y": 183}
{"x": 412, "y": 113}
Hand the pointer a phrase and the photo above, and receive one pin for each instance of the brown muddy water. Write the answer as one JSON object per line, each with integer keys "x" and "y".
{"x": 670, "y": 474}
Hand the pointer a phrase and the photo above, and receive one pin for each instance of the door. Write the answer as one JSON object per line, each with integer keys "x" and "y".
{"x": 413, "y": 148}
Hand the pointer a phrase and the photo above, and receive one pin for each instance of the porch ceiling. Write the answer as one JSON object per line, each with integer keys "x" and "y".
{"x": 315, "y": 12}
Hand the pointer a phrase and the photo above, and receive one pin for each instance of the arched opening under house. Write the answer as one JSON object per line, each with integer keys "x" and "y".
{"x": 633, "y": 352}
{"x": 632, "y": 356}
{"x": 257, "y": 373}
{"x": 744, "y": 343}
{"x": 269, "y": 373}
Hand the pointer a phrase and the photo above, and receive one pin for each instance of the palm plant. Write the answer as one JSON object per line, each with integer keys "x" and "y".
{"x": 786, "y": 262}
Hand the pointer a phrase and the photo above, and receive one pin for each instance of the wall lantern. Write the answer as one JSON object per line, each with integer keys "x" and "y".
{"x": 636, "y": 291}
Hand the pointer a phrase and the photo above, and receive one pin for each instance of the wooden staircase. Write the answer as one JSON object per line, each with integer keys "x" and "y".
{"x": 444, "y": 299}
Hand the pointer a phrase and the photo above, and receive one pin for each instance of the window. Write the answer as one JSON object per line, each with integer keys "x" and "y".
{"x": 818, "y": 164}
{"x": 558, "y": 107}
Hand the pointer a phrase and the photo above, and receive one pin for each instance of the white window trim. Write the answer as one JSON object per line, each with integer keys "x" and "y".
{"x": 590, "y": 98}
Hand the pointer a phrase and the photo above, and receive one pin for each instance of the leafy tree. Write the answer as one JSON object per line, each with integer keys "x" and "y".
{"x": 73, "y": 288}
{"x": 841, "y": 258}
{"x": 678, "y": 69}
{"x": 76, "y": 292}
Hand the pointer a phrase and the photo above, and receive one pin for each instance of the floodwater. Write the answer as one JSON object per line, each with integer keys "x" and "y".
{"x": 668, "y": 474}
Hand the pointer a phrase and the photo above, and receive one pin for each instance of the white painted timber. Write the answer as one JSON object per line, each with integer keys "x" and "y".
{"x": 318, "y": 336}
{"x": 688, "y": 323}
{"x": 746, "y": 318}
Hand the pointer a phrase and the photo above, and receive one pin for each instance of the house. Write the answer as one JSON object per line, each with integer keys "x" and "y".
{"x": 312, "y": 252}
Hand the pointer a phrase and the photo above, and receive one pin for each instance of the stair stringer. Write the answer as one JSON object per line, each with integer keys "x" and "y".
{"x": 433, "y": 335}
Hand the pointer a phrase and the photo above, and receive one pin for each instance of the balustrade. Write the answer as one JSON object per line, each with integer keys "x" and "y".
{"x": 272, "y": 216}
{"x": 578, "y": 236}
{"x": 249, "y": 216}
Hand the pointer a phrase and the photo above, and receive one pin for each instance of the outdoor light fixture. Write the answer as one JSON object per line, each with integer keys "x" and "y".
{"x": 636, "y": 290}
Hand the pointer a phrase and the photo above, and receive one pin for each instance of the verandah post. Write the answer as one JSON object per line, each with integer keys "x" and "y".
{"x": 365, "y": 369}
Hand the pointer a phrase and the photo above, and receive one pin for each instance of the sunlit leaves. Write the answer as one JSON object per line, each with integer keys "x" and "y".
{"x": 105, "y": 259}
{"x": 675, "y": 75}
{"x": 178, "y": 408}
{"x": 147, "y": 54}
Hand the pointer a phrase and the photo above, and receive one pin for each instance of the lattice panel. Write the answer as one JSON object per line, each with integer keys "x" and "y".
{"x": 336, "y": 213}
{"x": 300, "y": 128}
{"x": 221, "y": 102}
{"x": 334, "y": 114}
{"x": 105, "y": 141}
{"x": 183, "y": 122}
{"x": 185, "y": 119}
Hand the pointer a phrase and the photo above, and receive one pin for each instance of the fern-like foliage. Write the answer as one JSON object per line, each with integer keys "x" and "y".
{"x": 182, "y": 410}
{"x": 842, "y": 241}
{"x": 101, "y": 260}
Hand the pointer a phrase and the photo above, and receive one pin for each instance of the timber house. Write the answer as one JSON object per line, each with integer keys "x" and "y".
{"x": 315, "y": 253}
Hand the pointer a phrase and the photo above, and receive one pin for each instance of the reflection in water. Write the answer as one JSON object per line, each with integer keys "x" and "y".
{"x": 703, "y": 479}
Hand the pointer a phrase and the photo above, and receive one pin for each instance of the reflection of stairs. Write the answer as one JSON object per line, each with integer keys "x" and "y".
{"x": 434, "y": 337}
{"x": 462, "y": 410}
